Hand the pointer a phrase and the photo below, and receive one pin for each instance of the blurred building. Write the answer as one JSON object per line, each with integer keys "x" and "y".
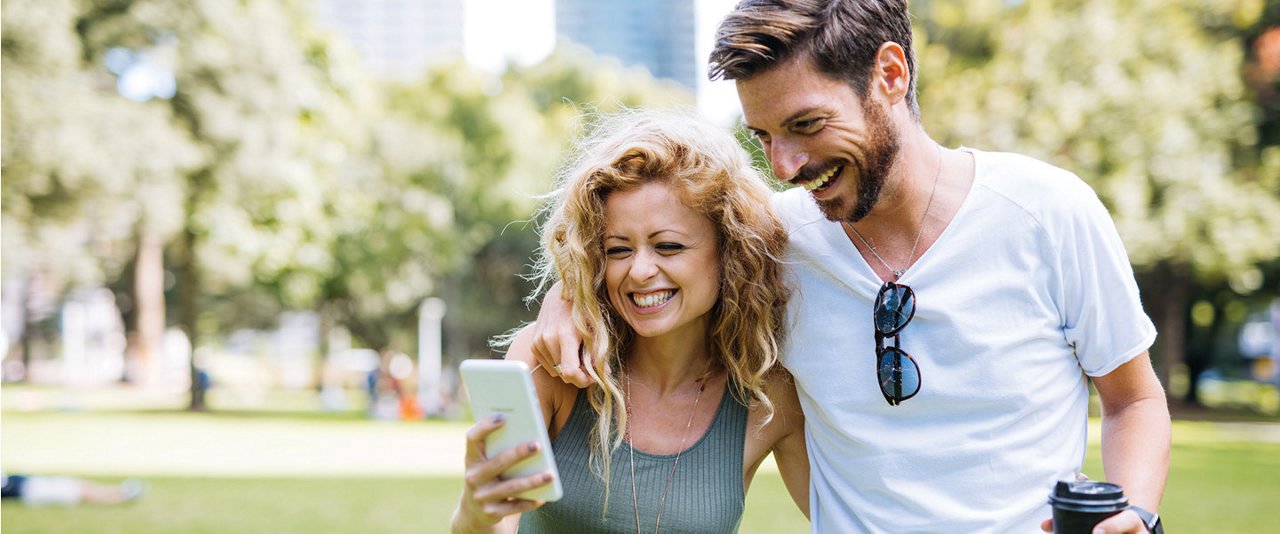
{"x": 397, "y": 38}
{"x": 656, "y": 34}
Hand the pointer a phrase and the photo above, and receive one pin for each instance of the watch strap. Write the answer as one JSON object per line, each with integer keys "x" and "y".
{"x": 1150, "y": 519}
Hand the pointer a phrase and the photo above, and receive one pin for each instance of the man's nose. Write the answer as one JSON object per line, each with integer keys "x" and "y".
{"x": 787, "y": 158}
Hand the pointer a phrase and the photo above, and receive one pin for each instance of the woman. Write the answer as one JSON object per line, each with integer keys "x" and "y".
{"x": 661, "y": 235}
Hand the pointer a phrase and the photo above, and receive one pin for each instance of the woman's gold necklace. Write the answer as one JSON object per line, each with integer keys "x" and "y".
{"x": 631, "y": 450}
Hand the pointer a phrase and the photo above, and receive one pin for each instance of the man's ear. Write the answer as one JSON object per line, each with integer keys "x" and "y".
{"x": 891, "y": 74}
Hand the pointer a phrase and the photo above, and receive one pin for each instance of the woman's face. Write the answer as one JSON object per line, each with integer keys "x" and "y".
{"x": 662, "y": 261}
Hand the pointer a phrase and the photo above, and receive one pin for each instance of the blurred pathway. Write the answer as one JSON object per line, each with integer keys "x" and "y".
{"x": 125, "y": 441}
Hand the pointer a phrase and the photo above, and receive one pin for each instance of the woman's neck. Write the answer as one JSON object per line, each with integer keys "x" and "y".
{"x": 666, "y": 363}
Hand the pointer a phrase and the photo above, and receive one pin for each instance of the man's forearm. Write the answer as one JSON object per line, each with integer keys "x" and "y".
{"x": 1135, "y": 449}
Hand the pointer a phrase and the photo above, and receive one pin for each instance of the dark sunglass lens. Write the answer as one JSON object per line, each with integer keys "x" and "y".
{"x": 899, "y": 375}
{"x": 894, "y": 307}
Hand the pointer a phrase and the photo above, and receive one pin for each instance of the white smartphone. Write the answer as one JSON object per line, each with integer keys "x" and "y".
{"x": 505, "y": 387}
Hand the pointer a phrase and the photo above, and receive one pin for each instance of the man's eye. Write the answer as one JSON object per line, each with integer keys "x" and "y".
{"x": 762, "y": 136}
{"x": 808, "y": 126}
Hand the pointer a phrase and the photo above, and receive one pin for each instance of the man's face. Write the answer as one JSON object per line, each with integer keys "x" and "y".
{"x": 817, "y": 133}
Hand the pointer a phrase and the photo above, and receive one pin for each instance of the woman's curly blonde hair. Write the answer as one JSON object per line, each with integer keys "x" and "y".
{"x": 712, "y": 175}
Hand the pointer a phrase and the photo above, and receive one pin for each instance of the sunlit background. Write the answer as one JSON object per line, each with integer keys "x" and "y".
{"x": 246, "y": 243}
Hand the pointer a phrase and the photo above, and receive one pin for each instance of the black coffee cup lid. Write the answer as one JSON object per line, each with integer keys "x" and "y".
{"x": 1088, "y": 493}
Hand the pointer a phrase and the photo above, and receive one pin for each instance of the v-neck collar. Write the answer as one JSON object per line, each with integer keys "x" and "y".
{"x": 840, "y": 240}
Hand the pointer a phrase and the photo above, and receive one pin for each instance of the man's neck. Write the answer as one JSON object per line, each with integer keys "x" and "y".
{"x": 906, "y": 194}
{"x": 924, "y": 192}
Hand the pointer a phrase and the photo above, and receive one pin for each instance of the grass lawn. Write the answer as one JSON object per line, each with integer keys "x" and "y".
{"x": 281, "y": 472}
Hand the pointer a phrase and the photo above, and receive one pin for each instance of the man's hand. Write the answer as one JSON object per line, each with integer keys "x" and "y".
{"x": 1126, "y": 522}
{"x": 556, "y": 342}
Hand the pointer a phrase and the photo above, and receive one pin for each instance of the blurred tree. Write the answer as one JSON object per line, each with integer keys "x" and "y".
{"x": 89, "y": 175}
{"x": 562, "y": 93}
{"x": 1145, "y": 101}
{"x": 1262, "y": 70}
{"x": 460, "y": 157}
{"x": 276, "y": 113}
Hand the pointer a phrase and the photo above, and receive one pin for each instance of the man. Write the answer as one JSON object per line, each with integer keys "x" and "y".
{"x": 949, "y": 303}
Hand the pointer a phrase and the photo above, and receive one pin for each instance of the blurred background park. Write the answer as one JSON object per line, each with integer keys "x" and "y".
{"x": 247, "y": 242}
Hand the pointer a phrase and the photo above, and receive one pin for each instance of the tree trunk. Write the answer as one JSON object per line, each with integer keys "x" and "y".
{"x": 188, "y": 313}
{"x": 1171, "y": 293}
{"x": 146, "y": 338}
{"x": 27, "y": 332}
{"x": 322, "y": 358}
{"x": 456, "y": 346}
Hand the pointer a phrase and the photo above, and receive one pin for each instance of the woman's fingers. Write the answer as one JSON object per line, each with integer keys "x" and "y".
{"x": 498, "y": 510}
{"x": 509, "y": 489}
{"x": 483, "y": 473}
{"x": 477, "y": 434}
{"x": 486, "y": 498}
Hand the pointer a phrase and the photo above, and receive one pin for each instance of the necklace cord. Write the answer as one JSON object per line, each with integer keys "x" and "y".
{"x": 631, "y": 450}
{"x": 923, "y": 218}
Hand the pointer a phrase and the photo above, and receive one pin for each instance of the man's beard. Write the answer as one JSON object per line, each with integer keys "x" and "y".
{"x": 880, "y": 150}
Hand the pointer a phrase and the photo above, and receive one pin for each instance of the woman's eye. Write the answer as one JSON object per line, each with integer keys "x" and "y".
{"x": 616, "y": 252}
{"x": 669, "y": 248}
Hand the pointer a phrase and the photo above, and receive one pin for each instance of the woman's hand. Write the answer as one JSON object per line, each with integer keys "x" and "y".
{"x": 486, "y": 498}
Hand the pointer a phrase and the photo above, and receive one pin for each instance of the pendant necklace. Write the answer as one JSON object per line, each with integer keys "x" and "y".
{"x": 897, "y": 273}
{"x": 631, "y": 450}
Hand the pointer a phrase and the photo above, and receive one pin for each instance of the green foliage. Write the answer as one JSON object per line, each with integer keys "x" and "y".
{"x": 84, "y": 168}
{"x": 279, "y": 174}
{"x": 1143, "y": 99}
{"x": 461, "y": 158}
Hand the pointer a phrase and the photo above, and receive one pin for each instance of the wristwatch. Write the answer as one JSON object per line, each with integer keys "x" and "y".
{"x": 1150, "y": 519}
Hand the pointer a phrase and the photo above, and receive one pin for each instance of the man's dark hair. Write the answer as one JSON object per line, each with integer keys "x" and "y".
{"x": 840, "y": 36}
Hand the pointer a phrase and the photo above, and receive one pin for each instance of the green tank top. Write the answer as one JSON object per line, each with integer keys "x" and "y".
{"x": 706, "y": 492}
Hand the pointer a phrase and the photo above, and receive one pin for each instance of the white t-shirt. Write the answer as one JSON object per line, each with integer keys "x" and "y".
{"x": 1026, "y": 291}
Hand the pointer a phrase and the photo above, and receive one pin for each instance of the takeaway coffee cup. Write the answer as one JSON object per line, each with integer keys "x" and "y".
{"x": 1079, "y": 506}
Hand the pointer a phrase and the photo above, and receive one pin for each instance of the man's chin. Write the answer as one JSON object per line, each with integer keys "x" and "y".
{"x": 835, "y": 211}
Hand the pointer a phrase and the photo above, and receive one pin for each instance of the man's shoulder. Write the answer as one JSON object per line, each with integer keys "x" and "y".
{"x": 1036, "y": 186}
{"x": 1017, "y": 172}
{"x": 795, "y": 207}
{"x": 791, "y": 199}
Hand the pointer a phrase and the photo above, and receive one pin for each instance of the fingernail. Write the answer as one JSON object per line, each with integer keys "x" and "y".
{"x": 546, "y": 477}
{"x": 499, "y": 418}
{"x": 533, "y": 446}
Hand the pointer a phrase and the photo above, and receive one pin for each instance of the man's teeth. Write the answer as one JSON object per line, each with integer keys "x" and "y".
{"x": 822, "y": 179}
{"x": 652, "y": 299}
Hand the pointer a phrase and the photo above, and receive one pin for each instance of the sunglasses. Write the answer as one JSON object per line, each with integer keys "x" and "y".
{"x": 898, "y": 373}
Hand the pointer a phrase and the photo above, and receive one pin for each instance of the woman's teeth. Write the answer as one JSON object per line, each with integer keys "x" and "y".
{"x": 652, "y": 299}
{"x": 822, "y": 179}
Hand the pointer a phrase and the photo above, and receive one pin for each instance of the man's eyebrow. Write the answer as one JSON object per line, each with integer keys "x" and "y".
{"x": 792, "y": 118}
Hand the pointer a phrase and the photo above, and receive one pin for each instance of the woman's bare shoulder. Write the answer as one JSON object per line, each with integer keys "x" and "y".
{"x": 780, "y": 387}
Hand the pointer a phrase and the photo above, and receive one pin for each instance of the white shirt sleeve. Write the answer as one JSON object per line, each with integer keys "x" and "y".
{"x": 1103, "y": 319}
